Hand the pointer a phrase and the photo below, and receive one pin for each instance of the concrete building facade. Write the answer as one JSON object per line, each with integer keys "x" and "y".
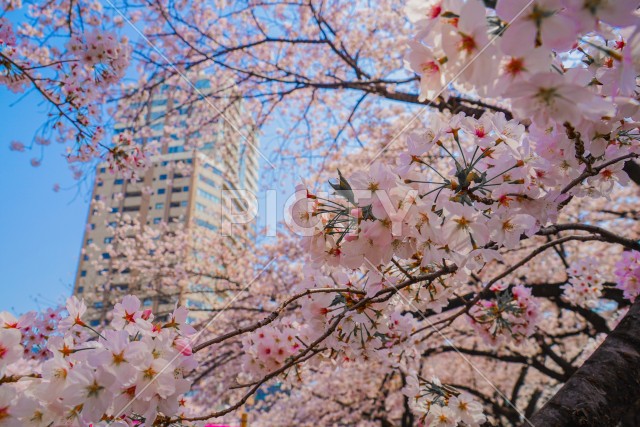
{"x": 225, "y": 162}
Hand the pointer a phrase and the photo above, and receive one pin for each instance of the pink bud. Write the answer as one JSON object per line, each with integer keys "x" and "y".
{"x": 183, "y": 346}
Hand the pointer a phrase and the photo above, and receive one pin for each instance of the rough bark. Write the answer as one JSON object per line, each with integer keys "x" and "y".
{"x": 605, "y": 387}
{"x": 632, "y": 417}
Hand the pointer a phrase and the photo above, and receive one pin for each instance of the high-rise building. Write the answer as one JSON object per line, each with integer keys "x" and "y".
{"x": 223, "y": 161}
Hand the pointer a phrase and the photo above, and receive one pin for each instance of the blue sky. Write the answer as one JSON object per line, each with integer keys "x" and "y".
{"x": 40, "y": 230}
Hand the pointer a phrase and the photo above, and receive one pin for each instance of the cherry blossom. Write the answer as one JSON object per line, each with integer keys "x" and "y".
{"x": 548, "y": 96}
{"x": 127, "y": 315}
{"x": 10, "y": 348}
{"x": 512, "y": 315}
{"x": 628, "y": 274}
{"x": 468, "y": 47}
{"x": 538, "y": 23}
{"x": 268, "y": 348}
{"x": 584, "y": 287}
{"x": 86, "y": 373}
{"x": 422, "y": 61}
{"x": 441, "y": 405}
{"x": 615, "y": 13}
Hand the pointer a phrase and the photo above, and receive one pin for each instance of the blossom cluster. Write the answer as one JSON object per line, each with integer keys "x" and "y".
{"x": 366, "y": 329}
{"x": 102, "y": 53}
{"x": 462, "y": 191}
{"x": 442, "y": 406}
{"x": 466, "y": 187}
{"x": 7, "y": 36}
{"x": 511, "y": 315}
{"x": 128, "y": 157}
{"x": 466, "y": 190}
{"x": 269, "y": 348}
{"x": 460, "y": 184}
{"x": 74, "y": 78}
{"x": 531, "y": 52}
{"x": 584, "y": 287}
{"x": 35, "y": 329}
{"x": 627, "y": 273}
{"x": 68, "y": 373}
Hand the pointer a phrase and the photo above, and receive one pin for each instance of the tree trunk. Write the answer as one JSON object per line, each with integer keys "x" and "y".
{"x": 632, "y": 417}
{"x": 607, "y": 385}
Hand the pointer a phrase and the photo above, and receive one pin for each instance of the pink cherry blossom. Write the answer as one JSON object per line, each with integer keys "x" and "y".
{"x": 533, "y": 24}
{"x": 628, "y": 274}
{"x": 549, "y": 96}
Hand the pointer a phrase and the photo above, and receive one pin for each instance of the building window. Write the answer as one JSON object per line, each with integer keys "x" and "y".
{"x": 100, "y": 183}
{"x": 206, "y": 180}
{"x": 114, "y": 210}
{"x": 147, "y": 302}
{"x": 85, "y": 257}
{"x": 80, "y": 289}
{"x": 157, "y": 220}
{"x": 89, "y": 241}
{"x": 113, "y": 224}
{"x": 92, "y": 226}
{"x": 206, "y": 195}
{"x": 175, "y": 204}
{"x": 213, "y": 169}
{"x": 159, "y": 206}
{"x": 105, "y": 255}
{"x": 131, "y": 209}
{"x": 161, "y": 191}
{"x": 184, "y": 203}
{"x": 95, "y": 322}
{"x": 205, "y": 224}
{"x": 108, "y": 239}
{"x": 163, "y": 177}
{"x": 118, "y": 181}
{"x": 98, "y": 304}
{"x": 83, "y": 273}
{"x": 185, "y": 188}
{"x": 103, "y": 170}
